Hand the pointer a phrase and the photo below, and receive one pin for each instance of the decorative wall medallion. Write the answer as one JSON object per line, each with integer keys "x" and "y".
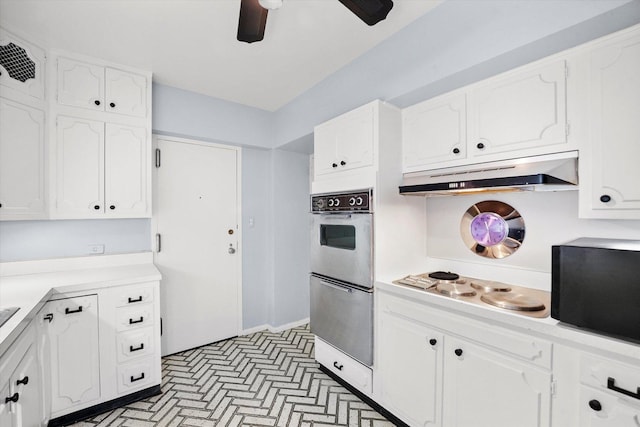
{"x": 492, "y": 229}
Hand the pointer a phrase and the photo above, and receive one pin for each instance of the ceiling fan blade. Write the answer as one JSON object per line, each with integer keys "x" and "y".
{"x": 370, "y": 11}
{"x": 252, "y": 21}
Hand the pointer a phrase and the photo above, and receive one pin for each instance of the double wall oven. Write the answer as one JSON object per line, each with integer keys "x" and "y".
{"x": 342, "y": 272}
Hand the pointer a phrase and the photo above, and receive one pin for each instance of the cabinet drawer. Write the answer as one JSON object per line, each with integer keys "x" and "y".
{"x": 601, "y": 409}
{"x": 134, "y": 344}
{"x": 352, "y": 371}
{"x": 134, "y": 317}
{"x": 532, "y": 349}
{"x": 135, "y": 295}
{"x": 616, "y": 378}
{"x": 136, "y": 375}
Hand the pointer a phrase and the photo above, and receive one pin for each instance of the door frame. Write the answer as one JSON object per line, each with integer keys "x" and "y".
{"x": 154, "y": 224}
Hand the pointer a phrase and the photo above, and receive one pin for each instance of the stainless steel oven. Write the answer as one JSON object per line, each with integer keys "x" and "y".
{"x": 342, "y": 272}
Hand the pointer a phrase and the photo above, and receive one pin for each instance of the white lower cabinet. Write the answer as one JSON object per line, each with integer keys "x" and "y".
{"x": 609, "y": 393}
{"x": 102, "y": 346}
{"x": 483, "y": 387}
{"x": 410, "y": 369}
{"x": 21, "y": 393}
{"x": 435, "y": 368}
{"x": 74, "y": 351}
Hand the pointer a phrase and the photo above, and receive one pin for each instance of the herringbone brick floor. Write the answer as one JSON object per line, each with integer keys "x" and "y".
{"x": 262, "y": 379}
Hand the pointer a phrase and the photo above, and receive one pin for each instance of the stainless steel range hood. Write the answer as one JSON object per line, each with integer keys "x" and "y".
{"x": 551, "y": 172}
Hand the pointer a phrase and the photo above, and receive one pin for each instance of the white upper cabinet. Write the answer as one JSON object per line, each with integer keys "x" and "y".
{"x": 516, "y": 114}
{"x": 22, "y": 161}
{"x": 609, "y": 173}
{"x": 85, "y": 85}
{"x": 346, "y": 142}
{"x": 102, "y": 170}
{"x": 435, "y": 131}
{"x": 102, "y": 145}
{"x": 80, "y": 167}
{"x": 22, "y": 66}
{"x": 519, "y": 111}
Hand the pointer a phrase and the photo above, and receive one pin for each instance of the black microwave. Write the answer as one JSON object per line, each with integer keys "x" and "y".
{"x": 595, "y": 285}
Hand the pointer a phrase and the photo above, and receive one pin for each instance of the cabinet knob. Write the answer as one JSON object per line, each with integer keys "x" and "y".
{"x": 96, "y": 207}
{"x": 112, "y": 104}
{"x": 0, "y": 205}
{"x": 342, "y": 162}
{"x": 112, "y": 207}
{"x": 335, "y": 165}
{"x": 595, "y": 405}
{"x": 13, "y": 398}
{"x": 480, "y": 145}
{"x": 605, "y": 198}
{"x": 456, "y": 151}
{"x": 97, "y": 102}
{"x": 433, "y": 341}
{"x": 458, "y": 352}
{"x": 24, "y": 381}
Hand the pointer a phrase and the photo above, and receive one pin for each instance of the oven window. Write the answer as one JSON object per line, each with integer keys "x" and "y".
{"x": 338, "y": 236}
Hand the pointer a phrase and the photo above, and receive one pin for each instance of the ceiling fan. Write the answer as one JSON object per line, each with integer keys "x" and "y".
{"x": 253, "y": 15}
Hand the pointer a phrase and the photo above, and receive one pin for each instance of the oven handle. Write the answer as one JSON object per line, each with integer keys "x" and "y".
{"x": 335, "y": 216}
{"x": 338, "y": 287}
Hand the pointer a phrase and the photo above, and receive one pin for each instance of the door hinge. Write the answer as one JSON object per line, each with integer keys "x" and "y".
{"x": 161, "y": 326}
{"x": 158, "y": 242}
{"x": 567, "y": 129}
{"x": 157, "y": 157}
{"x": 553, "y": 387}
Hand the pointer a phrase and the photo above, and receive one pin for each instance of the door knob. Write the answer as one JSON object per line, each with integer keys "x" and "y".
{"x": 231, "y": 249}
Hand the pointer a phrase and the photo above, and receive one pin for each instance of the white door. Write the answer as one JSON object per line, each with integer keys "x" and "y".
{"x": 196, "y": 213}
{"x": 80, "y": 84}
{"x": 126, "y": 93}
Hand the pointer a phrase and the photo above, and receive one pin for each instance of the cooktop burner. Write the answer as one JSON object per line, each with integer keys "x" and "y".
{"x": 516, "y": 299}
{"x": 455, "y": 289}
{"x": 444, "y": 275}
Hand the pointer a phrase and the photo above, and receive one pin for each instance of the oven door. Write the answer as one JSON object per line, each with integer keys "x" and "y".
{"x": 342, "y": 315}
{"x": 342, "y": 247}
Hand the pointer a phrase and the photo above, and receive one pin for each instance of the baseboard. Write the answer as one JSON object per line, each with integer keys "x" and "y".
{"x": 275, "y": 329}
{"x": 93, "y": 411}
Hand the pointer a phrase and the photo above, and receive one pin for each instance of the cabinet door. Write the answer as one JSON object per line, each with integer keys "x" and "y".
{"x": 521, "y": 111}
{"x": 614, "y": 103}
{"x": 22, "y": 170}
{"x": 486, "y": 389}
{"x": 599, "y": 409}
{"x": 80, "y": 84}
{"x": 126, "y": 93}
{"x": 127, "y": 169}
{"x": 79, "y": 167}
{"x": 7, "y": 409}
{"x": 75, "y": 360}
{"x": 410, "y": 370}
{"x": 22, "y": 66}
{"x": 346, "y": 142}
{"x": 433, "y": 132}
{"x": 28, "y": 384}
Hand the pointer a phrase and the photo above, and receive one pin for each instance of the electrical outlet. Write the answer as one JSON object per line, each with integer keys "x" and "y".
{"x": 96, "y": 249}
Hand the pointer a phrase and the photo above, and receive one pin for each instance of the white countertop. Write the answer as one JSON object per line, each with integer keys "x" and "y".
{"x": 544, "y": 327}
{"x": 29, "y": 284}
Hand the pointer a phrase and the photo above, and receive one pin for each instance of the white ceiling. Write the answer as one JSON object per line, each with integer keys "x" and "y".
{"x": 191, "y": 44}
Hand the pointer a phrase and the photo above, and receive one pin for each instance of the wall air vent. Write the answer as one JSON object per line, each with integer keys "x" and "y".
{"x": 15, "y": 60}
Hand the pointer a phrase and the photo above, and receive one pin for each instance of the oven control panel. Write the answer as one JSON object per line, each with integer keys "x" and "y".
{"x": 359, "y": 201}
